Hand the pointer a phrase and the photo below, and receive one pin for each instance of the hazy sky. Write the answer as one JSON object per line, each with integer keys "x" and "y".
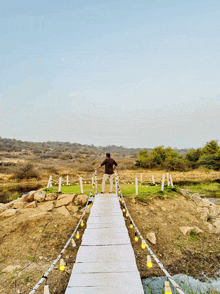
{"x": 131, "y": 73}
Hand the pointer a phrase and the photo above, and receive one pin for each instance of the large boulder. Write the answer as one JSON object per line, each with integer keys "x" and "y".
{"x": 203, "y": 212}
{"x": 19, "y": 204}
{"x": 72, "y": 208}
{"x": 62, "y": 210}
{"x": 51, "y": 197}
{"x": 65, "y": 200}
{"x": 47, "y": 206}
{"x": 29, "y": 197}
{"x": 40, "y": 196}
{"x": 32, "y": 204}
{"x": 8, "y": 213}
{"x": 64, "y": 195}
{"x": 81, "y": 199}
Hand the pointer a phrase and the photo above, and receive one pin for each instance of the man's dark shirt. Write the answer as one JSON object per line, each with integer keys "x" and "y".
{"x": 109, "y": 162}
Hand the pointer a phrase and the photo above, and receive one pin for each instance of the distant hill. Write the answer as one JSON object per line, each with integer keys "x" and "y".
{"x": 13, "y": 145}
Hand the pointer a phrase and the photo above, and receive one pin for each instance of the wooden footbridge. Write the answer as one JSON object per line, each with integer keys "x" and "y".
{"x": 105, "y": 262}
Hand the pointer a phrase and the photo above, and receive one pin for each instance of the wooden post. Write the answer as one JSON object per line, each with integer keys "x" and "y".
{"x": 162, "y": 184}
{"x": 67, "y": 180}
{"x": 136, "y": 185}
{"x": 49, "y": 182}
{"x": 153, "y": 180}
{"x": 60, "y": 181}
{"x": 81, "y": 185}
{"x": 171, "y": 181}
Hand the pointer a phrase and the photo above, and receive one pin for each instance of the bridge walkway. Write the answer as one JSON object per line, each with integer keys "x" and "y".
{"x": 105, "y": 262}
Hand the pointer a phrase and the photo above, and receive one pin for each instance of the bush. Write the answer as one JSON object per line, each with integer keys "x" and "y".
{"x": 25, "y": 172}
{"x": 66, "y": 156}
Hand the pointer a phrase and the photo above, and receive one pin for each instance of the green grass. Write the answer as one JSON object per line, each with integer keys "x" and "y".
{"x": 145, "y": 192}
{"x": 211, "y": 189}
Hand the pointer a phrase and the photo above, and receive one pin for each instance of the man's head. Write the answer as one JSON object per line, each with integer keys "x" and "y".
{"x": 108, "y": 155}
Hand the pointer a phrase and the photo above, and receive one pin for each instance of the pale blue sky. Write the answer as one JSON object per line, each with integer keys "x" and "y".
{"x": 137, "y": 74}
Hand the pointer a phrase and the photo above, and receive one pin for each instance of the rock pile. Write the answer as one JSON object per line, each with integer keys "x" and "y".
{"x": 65, "y": 204}
{"x": 207, "y": 211}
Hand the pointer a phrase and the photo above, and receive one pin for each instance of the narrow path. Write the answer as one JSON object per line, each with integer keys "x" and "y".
{"x": 105, "y": 262}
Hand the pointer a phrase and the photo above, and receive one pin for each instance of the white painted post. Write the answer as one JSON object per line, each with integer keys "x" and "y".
{"x": 168, "y": 178}
{"x": 162, "y": 184}
{"x": 67, "y": 180}
{"x": 171, "y": 181}
{"x": 46, "y": 289}
{"x": 81, "y": 185}
{"x": 49, "y": 182}
{"x": 136, "y": 185}
{"x": 141, "y": 178}
{"x": 153, "y": 180}
{"x": 60, "y": 181}
{"x": 116, "y": 185}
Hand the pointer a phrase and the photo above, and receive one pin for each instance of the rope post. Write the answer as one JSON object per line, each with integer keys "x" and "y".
{"x": 116, "y": 185}
{"x": 153, "y": 180}
{"x": 136, "y": 185}
{"x": 60, "y": 181}
{"x": 81, "y": 185}
{"x": 46, "y": 289}
{"x": 171, "y": 181}
{"x": 162, "y": 184}
{"x": 67, "y": 180}
{"x": 168, "y": 177}
{"x": 49, "y": 182}
{"x": 96, "y": 182}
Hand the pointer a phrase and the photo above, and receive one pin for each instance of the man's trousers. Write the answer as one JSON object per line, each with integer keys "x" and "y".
{"x": 105, "y": 177}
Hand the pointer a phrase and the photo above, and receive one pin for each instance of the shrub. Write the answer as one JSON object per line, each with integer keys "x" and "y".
{"x": 26, "y": 171}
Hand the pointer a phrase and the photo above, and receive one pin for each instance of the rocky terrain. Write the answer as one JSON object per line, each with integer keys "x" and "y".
{"x": 183, "y": 231}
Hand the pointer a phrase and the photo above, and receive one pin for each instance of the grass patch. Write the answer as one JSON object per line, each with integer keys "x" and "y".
{"x": 211, "y": 189}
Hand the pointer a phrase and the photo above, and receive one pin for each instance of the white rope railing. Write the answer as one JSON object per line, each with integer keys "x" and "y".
{"x": 168, "y": 276}
{"x": 44, "y": 277}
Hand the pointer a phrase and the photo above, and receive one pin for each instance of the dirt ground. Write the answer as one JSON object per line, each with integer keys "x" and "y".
{"x": 33, "y": 243}
{"x": 193, "y": 255}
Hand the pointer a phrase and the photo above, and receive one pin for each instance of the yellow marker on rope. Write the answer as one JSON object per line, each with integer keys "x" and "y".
{"x": 82, "y": 223}
{"x": 143, "y": 246}
{"x": 77, "y": 235}
{"x": 135, "y": 237}
{"x": 167, "y": 288}
{"x": 131, "y": 225}
{"x": 149, "y": 262}
{"x": 62, "y": 264}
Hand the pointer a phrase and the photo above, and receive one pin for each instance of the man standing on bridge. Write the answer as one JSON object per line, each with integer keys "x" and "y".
{"x": 109, "y": 171}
